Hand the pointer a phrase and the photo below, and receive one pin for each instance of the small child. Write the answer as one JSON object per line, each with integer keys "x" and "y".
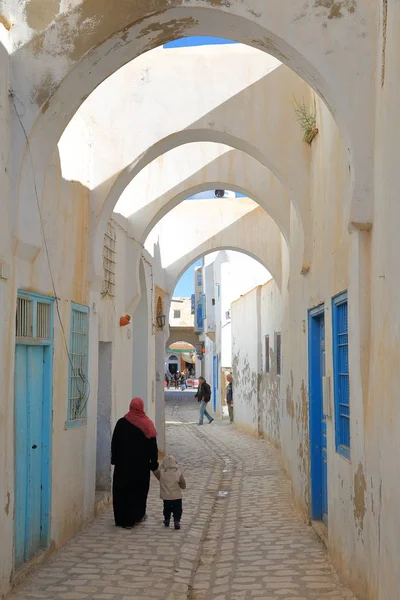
{"x": 172, "y": 482}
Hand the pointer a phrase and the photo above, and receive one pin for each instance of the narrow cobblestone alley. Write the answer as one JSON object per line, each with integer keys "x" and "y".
{"x": 240, "y": 536}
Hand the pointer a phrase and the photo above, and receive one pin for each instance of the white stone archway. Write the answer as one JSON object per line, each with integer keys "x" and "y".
{"x": 51, "y": 78}
{"x": 267, "y": 249}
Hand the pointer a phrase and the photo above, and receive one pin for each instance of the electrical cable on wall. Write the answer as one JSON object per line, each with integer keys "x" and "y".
{"x": 79, "y": 372}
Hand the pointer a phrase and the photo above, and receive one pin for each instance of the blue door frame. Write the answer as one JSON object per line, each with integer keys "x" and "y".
{"x": 215, "y": 381}
{"x": 318, "y": 440}
{"x": 33, "y": 425}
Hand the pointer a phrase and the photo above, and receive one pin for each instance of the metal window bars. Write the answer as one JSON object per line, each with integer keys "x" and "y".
{"x": 79, "y": 365}
{"x": 109, "y": 261}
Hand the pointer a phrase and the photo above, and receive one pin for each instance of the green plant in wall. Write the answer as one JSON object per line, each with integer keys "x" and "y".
{"x": 307, "y": 120}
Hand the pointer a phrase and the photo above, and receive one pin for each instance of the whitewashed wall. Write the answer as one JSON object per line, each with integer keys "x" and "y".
{"x": 246, "y": 360}
{"x": 257, "y": 397}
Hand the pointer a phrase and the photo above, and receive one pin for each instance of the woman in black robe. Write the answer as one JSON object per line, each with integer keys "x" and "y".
{"x": 134, "y": 454}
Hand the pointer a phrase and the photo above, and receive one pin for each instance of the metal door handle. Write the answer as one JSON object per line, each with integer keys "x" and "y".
{"x": 34, "y": 447}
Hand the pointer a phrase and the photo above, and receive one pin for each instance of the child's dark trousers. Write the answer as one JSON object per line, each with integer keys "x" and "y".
{"x": 173, "y": 507}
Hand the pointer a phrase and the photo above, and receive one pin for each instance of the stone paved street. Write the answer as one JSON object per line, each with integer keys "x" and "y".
{"x": 240, "y": 536}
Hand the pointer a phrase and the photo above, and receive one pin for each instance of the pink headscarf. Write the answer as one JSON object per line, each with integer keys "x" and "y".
{"x": 136, "y": 416}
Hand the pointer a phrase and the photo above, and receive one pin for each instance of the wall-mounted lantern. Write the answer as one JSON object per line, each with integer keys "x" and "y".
{"x": 160, "y": 319}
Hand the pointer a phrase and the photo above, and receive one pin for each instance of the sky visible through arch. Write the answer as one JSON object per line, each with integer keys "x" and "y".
{"x": 185, "y": 286}
{"x": 197, "y": 40}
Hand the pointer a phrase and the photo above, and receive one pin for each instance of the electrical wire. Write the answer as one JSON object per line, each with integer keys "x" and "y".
{"x": 82, "y": 376}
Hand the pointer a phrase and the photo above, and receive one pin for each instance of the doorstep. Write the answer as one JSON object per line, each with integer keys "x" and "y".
{"x": 321, "y": 530}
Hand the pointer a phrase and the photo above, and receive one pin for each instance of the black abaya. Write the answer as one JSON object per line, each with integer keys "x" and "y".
{"x": 134, "y": 456}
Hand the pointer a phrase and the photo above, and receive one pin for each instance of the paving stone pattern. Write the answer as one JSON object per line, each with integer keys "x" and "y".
{"x": 240, "y": 536}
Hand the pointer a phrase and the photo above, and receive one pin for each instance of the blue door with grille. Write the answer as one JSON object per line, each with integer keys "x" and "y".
{"x": 215, "y": 381}
{"x": 318, "y": 438}
{"x": 32, "y": 391}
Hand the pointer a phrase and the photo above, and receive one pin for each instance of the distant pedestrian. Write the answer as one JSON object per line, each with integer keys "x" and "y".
{"x": 203, "y": 396}
{"x": 183, "y": 382}
{"x": 172, "y": 482}
{"x": 229, "y": 397}
{"x": 134, "y": 454}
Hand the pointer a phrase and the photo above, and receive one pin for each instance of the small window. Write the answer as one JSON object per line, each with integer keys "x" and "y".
{"x": 177, "y": 314}
{"x": 267, "y": 354}
{"x": 34, "y": 317}
{"x": 109, "y": 260}
{"x": 43, "y": 320}
{"x": 278, "y": 352}
{"x": 199, "y": 279}
{"x": 78, "y": 368}
{"x": 341, "y": 378}
{"x": 213, "y": 301}
{"x": 24, "y": 319}
{"x": 228, "y": 315}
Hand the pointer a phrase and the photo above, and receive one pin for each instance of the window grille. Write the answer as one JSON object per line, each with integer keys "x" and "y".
{"x": 341, "y": 374}
{"x": 177, "y": 314}
{"x": 278, "y": 352}
{"x": 43, "y": 320}
{"x": 109, "y": 261}
{"x": 33, "y": 317}
{"x": 24, "y": 319}
{"x": 78, "y": 368}
{"x": 267, "y": 354}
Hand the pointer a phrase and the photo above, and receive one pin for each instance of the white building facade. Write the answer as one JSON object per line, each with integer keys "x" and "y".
{"x": 226, "y": 276}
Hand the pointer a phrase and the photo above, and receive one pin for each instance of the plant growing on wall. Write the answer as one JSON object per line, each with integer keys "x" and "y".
{"x": 307, "y": 120}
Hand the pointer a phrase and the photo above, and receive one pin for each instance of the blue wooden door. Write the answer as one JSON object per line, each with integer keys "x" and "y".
{"x": 32, "y": 385}
{"x": 318, "y": 434}
{"x": 324, "y": 451}
{"x": 215, "y": 381}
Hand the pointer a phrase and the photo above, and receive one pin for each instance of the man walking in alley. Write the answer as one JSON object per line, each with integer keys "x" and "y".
{"x": 203, "y": 396}
{"x": 229, "y": 397}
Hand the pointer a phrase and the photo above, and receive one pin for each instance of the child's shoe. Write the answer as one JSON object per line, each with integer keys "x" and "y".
{"x": 177, "y": 525}
{"x": 166, "y": 523}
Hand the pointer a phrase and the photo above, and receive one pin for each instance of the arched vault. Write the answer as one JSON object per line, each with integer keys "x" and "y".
{"x": 253, "y": 233}
{"x": 232, "y": 170}
{"x": 62, "y": 56}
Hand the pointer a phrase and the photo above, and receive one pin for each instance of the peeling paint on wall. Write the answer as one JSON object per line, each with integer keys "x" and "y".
{"x": 360, "y": 487}
{"x": 7, "y": 506}
{"x": 40, "y": 14}
{"x": 335, "y": 7}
